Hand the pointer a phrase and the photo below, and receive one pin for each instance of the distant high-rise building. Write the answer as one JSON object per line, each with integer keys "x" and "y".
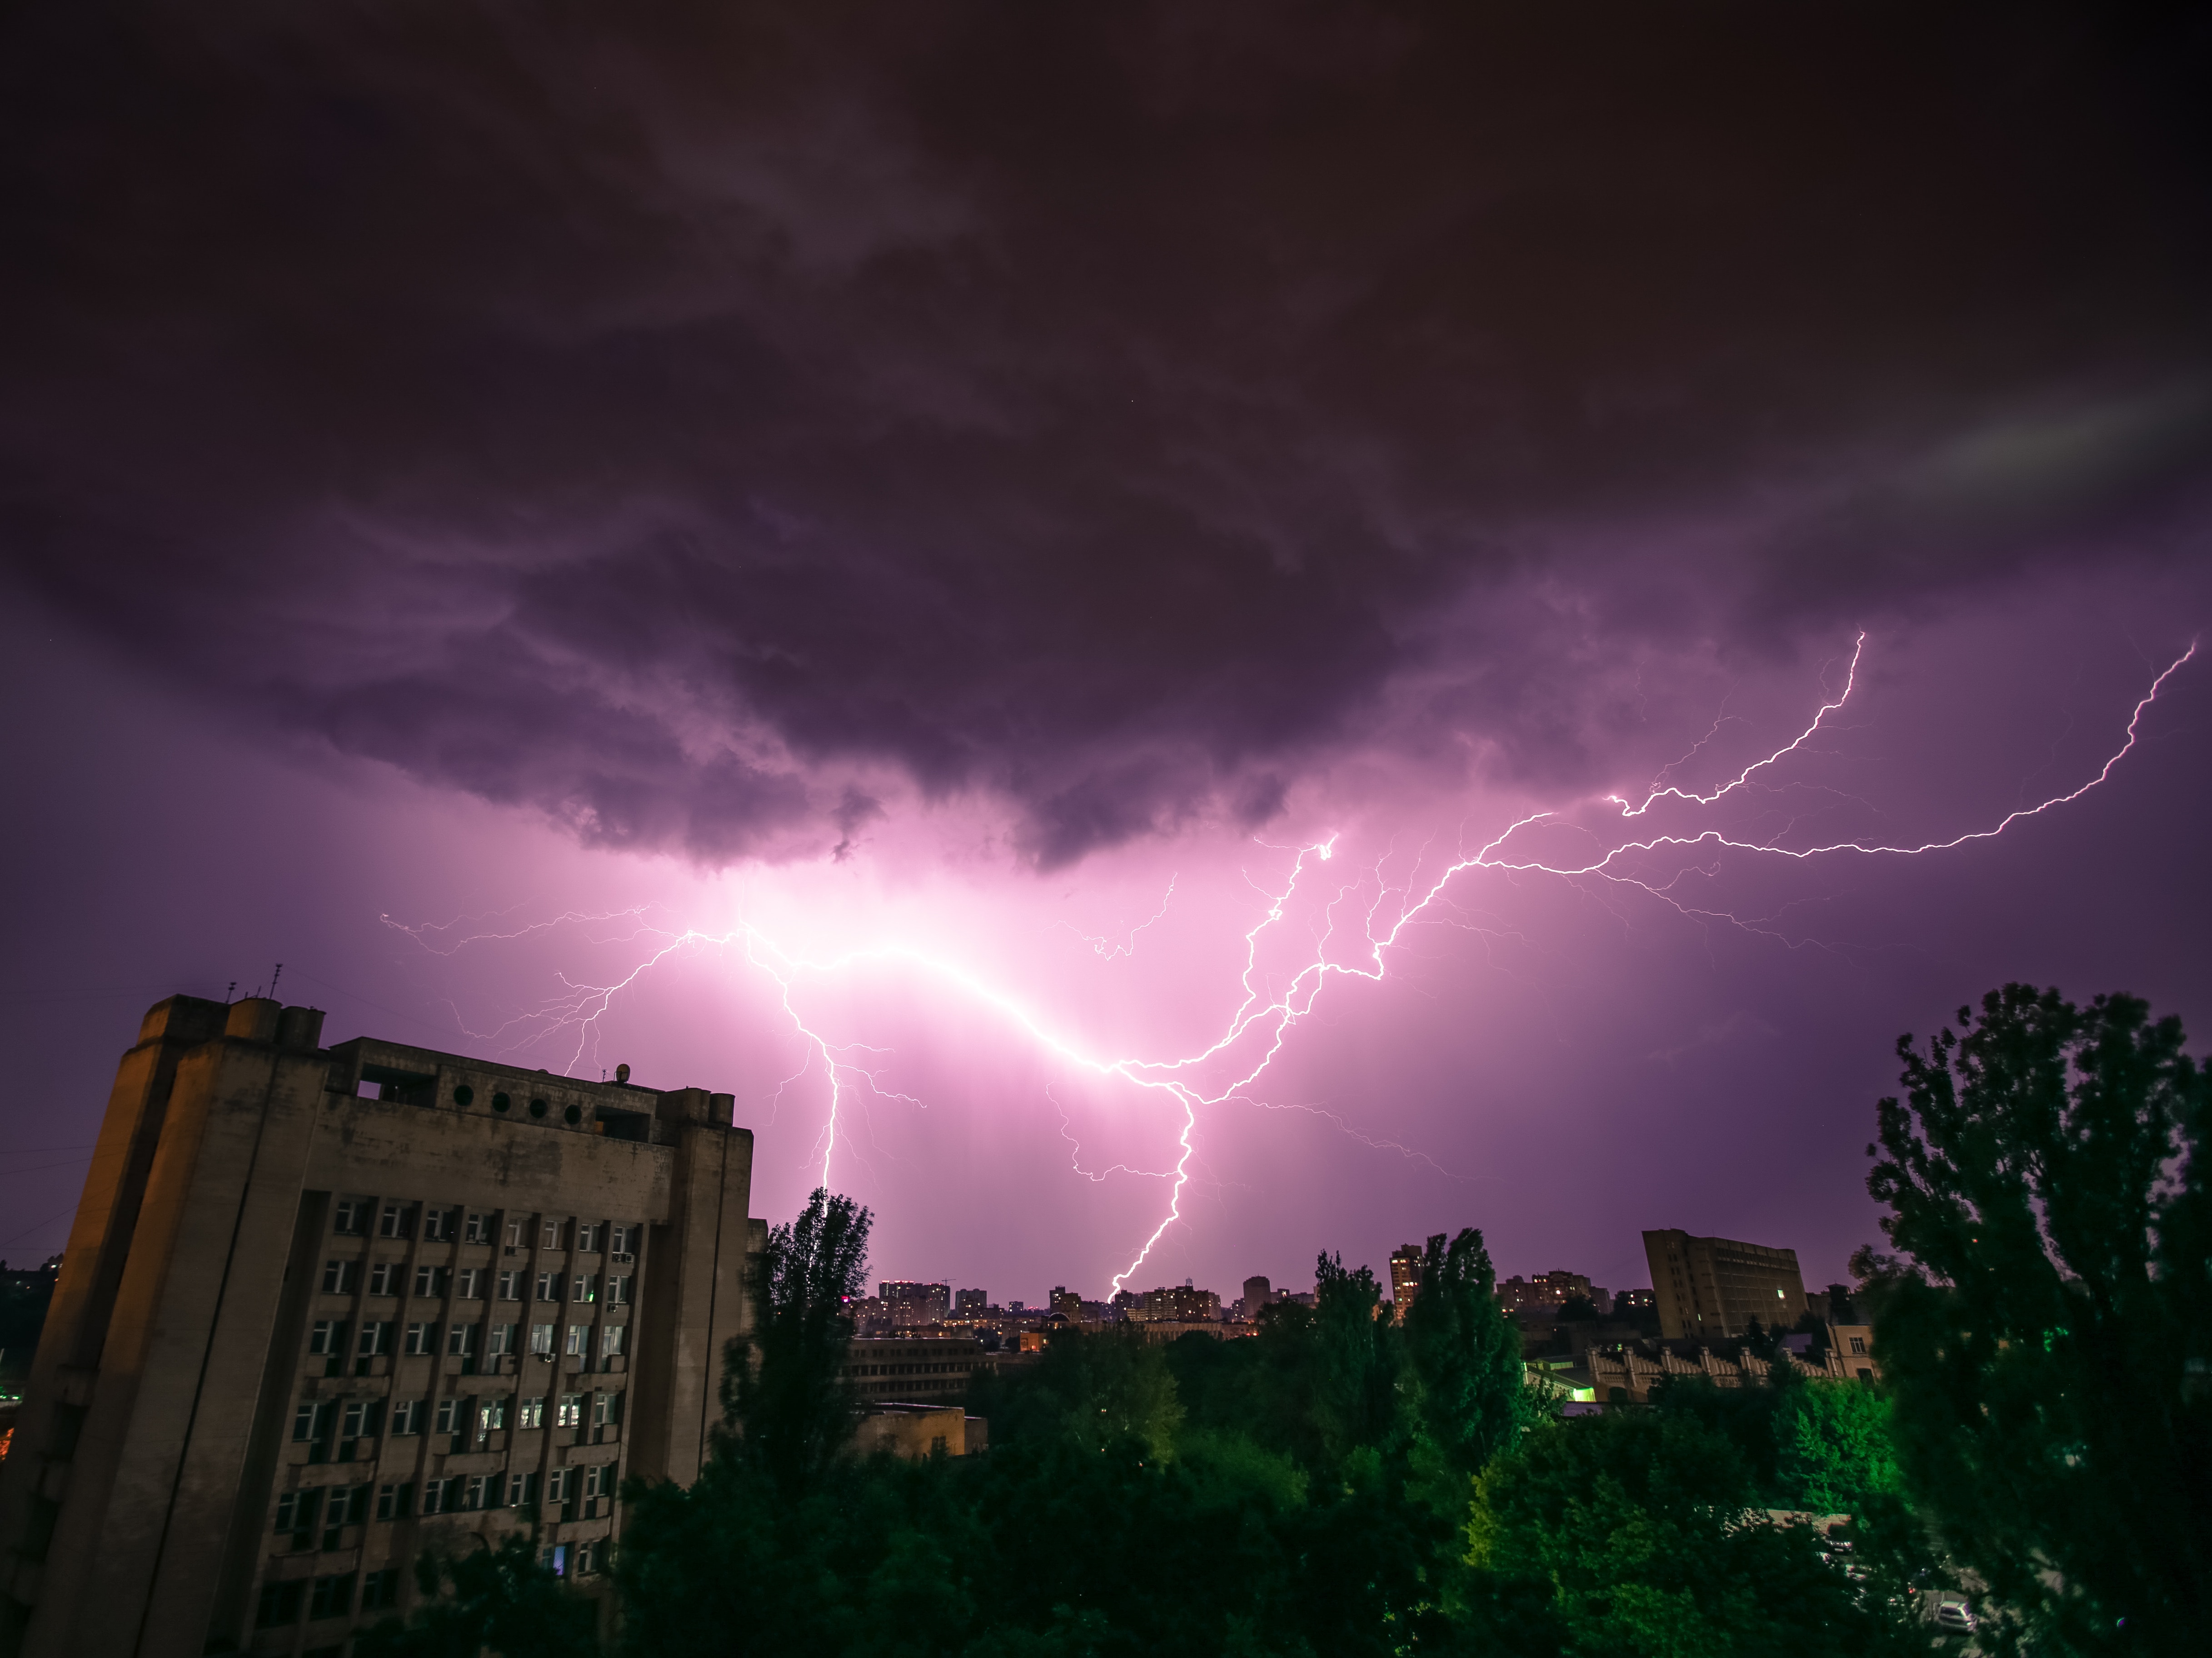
{"x": 323, "y": 1311}
{"x": 1406, "y": 1275}
{"x": 972, "y": 1301}
{"x": 1714, "y": 1287}
{"x": 1066, "y": 1303}
{"x": 911, "y": 1303}
{"x": 1179, "y": 1303}
{"x": 1257, "y": 1294}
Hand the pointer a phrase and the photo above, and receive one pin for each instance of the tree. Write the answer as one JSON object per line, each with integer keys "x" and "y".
{"x": 501, "y": 1600}
{"x": 2045, "y": 1328}
{"x": 788, "y": 1414}
{"x": 1636, "y": 1534}
{"x": 1475, "y": 1400}
{"x": 1835, "y": 1448}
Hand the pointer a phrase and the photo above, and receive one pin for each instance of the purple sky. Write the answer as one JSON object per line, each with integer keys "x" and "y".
{"x": 883, "y": 538}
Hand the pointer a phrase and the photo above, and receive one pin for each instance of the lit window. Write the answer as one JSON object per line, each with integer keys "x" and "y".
{"x": 531, "y": 1412}
{"x": 572, "y": 1412}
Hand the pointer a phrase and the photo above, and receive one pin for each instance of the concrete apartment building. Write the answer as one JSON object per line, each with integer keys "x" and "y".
{"x": 1712, "y": 1288}
{"x": 907, "y": 1368}
{"x": 323, "y": 1309}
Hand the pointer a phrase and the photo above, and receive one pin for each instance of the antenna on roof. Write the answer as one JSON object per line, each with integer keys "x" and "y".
{"x": 232, "y": 992}
{"x": 273, "y": 978}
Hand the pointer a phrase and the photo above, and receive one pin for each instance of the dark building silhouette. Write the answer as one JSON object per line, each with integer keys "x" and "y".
{"x": 323, "y": 1308}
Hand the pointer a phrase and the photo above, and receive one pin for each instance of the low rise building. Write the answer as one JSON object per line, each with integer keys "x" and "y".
{"x": 911, "y": 1368}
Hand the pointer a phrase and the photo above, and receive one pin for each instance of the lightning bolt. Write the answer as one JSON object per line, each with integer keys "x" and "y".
{"x": 1266, "y": 1017}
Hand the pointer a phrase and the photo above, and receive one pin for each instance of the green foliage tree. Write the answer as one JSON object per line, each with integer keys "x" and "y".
{"x": 1357, "y": 1355}
{"x": 781, "y": 1395}
{"x": 1835, "y": 1454}
{"x": 500, "y": 1600}
{"x": 1465, "y": 1354}
{"x": 1636, "y": 1534}
{"x": 2044, "y": 1330}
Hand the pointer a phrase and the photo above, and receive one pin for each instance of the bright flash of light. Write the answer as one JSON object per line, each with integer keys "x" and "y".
{"x": 1364, "y": 920}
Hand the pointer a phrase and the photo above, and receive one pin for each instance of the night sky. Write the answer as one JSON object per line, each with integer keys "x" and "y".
{"x": 876, "y": 544}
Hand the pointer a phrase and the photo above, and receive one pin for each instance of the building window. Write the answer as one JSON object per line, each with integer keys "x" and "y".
{"x": 477, "y": 1228}
{"x": 398, "y": 1221}
{"x": 384, "y": 1276}
{"x": 453, "y": 1416}
{"x": 521, "y": 1490}
{"x": 1858, "y": 1343}
{"x": 482, "y": 1491}
{"x": 326, "y": 1339}
{"x": 622, "y": 1240}
{"x": 587, "y": 1237}
{"x": 586, "y": 1287}
{"x": 511, "y": 1285}
{"x": 599, "y": 1481}
{"x": 310, "y": 1420}
{"x": 501, "y": 1340}
{"x": 518, "y": 1231}
{"x": 531, "y": 1412}
{"x": 407, "y": 1416}
{"x": 379, "y": 1590}
{"x": 296, "y": 1511}
{"x": 375, "y": 1339}
{"x": 438, "y": 1224}
{"x": 618, "y": 1291}
{"x": 491, "y": 1414}
{"x": 580, "y": 1340}
{"x": 430, "y": 1281}
{"x": 393, "y": 1501}
{"x": 363, "y": 1417}
{"x": 461, "y": 1341}
{"x": 612, "y": 1337}
{"x": 572, "y": 1412}
{"x": 333, "y": 1597}
{"x": 422, "y": 1340}
{"x": 473, "y": 1283}
{"x": 548, "y": 1286}
{"x": 280, "y": 1605}
{"x": 588, "y": 1558}
{"x": 339, "y": 1277}
{"x": 350, "y": 1219}
{"x": 606, "y": 1410}
{"x": 548, "y": 1233}
{"x": 541, "y": 1341}
{"x": 560, "y": 1486}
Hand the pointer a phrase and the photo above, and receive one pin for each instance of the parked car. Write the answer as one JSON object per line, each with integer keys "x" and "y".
{"x": 1955, "y": 1615}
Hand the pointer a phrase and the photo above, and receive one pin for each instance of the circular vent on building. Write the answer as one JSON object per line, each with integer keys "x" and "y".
{"x": 500, "y": 1102}
{"x": 537, "y": 1108}
{"x": 571, "y": 1116}
{"x": 464, "y": 1095}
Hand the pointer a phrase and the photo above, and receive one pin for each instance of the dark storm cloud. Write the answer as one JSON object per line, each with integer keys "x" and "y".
{"x": 665, "y": 422}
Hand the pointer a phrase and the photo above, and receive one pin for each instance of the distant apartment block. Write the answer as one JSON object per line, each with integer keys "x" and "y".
{"x": 1712, "y": 1288}
{"x": 1550, "y": 1289}
{"x": 1177, "y": 1303}
{"x": 972, "y": 1302}
{"x": 910, "y": 1304}
{"x": 910, "y": 1368}
{"x": 1405, "y": 1274}
{"x": 322, "y": 1309}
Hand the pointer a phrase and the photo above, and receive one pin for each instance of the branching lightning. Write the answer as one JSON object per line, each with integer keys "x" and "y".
{"x": 1362, "y": 922}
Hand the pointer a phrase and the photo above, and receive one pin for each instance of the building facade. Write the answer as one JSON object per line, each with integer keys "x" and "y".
{"x": 323, "y": 1309}
{"x": 1406, "y": 1275}
{"x": 1713, "y": 1288}
{"x": 910, "y": 1369}
{"x": 909, "y": 1304}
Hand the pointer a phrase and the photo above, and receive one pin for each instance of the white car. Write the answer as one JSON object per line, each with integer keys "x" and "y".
{"x": 1955, "y": 1615}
